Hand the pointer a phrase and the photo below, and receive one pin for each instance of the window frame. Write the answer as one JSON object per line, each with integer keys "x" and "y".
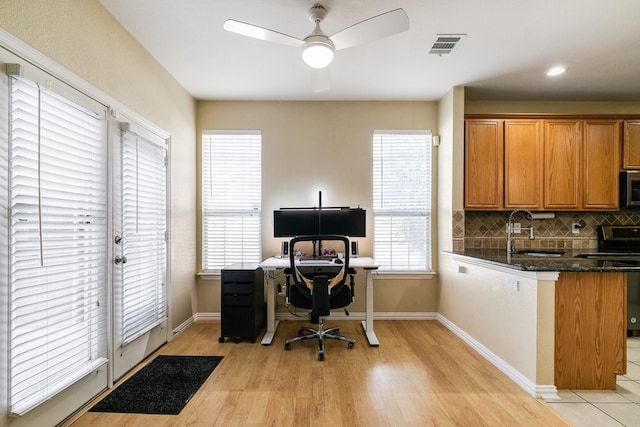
{"x": 424, "y": 208}
{"x": 241, "y": 172}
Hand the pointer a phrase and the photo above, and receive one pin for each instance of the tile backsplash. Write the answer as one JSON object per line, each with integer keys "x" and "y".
{"x": 473, "y": 229}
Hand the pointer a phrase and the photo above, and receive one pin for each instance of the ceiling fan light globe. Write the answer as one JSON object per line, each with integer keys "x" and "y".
{"x": 317, "y": 52}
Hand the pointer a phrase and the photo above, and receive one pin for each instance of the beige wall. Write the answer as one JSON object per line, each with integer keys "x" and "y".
{"x": 321, "y": 146}
{"x": 85, "y": 39}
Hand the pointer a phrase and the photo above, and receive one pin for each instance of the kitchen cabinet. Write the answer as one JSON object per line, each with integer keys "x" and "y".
{"x": 590, "y": 330}
{"x": 600, "y": 163}
{"x": 484, "y": 160}
{"x": 631, "y": 145}
{"x": 582, "y": 164}
{"x": 562, "y": 178}
{"x": 558, "y": 164}
{"x": 523, "y": 160}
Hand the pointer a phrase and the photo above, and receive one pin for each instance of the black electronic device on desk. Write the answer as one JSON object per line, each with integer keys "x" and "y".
{"x": 242, "y": 307}
{"x": 341, "y": 221}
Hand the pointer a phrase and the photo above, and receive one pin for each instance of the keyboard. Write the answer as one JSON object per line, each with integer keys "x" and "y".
{"x": 321, "y": 261}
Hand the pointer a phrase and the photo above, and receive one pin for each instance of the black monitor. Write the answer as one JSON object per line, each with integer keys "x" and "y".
{"x": 345, "y": 222}
{"x": 295, "y": 222}
{"x": 305, "y": 222}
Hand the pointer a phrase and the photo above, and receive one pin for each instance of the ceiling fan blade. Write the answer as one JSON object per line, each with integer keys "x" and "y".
{"x": 260, "y": 33}
{"x": 377, "y": 27}
{"x": 320, "y": 79}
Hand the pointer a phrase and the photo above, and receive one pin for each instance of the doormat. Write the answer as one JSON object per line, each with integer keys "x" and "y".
{"x": 164, "y": 386}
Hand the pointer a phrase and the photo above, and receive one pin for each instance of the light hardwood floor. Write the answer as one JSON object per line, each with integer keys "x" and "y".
{"x": 420, "y": 375}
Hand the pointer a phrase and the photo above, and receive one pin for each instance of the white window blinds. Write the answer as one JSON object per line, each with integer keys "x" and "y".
{"x": 144, "y": 231}
{"x": 57, "y": 243}
{"x": 232, "y": 198}
{"x": 402, "y": 200}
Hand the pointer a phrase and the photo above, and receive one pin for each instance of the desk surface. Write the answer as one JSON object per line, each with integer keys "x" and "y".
{"x": 275, "y": 263}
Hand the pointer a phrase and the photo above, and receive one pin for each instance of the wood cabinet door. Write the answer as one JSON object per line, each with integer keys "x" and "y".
{"x": 523, "y": 160}
{"x": 590, "y": 330}
{"x": 631, "y": 145}
{"x": 600, "y": 152}
{"x": 483, "y": 178}
{"x": 562, "y": 177}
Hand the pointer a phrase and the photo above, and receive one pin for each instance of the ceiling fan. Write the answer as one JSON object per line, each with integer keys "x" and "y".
{"x": 318, "y": 48}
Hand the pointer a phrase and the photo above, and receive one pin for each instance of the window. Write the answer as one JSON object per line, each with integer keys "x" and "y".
{"x": 402, "y": 200}
{"x": 57, "y": 241}
{"x": 232, "y": 198}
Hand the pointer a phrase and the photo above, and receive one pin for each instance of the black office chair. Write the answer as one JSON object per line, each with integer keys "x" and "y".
{"x": 319, "y": 284}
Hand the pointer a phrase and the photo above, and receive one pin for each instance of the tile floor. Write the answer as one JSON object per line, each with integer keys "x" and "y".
{"x": 620, "y": 407}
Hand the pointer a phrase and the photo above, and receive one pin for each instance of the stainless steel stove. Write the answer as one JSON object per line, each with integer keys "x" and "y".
{"x": 622, "y": 244}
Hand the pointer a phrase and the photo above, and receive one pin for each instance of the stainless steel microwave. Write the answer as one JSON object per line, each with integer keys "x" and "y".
{"x": 630, "y": 189}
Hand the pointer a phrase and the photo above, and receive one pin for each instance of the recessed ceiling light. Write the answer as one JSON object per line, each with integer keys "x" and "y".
{"x": 556, "y": 71}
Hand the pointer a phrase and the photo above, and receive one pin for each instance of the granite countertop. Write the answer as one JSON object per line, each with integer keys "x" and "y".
{"x": 569, "y": 261}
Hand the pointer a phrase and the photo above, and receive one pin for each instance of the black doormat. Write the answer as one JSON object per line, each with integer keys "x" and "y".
{"x": 164, "y": 386}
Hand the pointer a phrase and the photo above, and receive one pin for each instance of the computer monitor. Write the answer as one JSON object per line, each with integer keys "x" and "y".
{"x": 305, "y": 222}
{"x": 296, "y": 222}
{"x": 343, "y": 221}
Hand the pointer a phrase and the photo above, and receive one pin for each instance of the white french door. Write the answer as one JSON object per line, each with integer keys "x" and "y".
{"x": 140, "y": 235}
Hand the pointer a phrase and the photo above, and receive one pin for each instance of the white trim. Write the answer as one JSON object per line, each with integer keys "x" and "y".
{"x": 408, "y": 315}
{"x": 184, "y": 325}
{"x": 402, "y": 131}
{"x": 209, "y": 275}
{"x": 207, "y": 317}
{"x": 404, "y": 275}
{"x": 336, "y": 315}
{"x": 545, "y": 391}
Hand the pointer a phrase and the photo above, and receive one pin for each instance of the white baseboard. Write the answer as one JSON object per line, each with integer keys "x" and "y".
{"x": 544, "y": 391}
{"x": 206, "y": 316}
{"x": 183, "y": 325}
{"x": 336, "y": 315}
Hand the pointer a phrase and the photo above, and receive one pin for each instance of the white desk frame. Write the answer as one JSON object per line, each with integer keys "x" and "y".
{"x": 272, "y": 264}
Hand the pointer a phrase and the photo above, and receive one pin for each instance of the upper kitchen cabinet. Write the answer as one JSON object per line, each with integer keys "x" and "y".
{"x": 546, "y": 163}
{"x": 523, "y": 160}
{"x": 484, "y": 159}
{"x": 601, "y": 154}
{"x": 562, "y": 178}
{"x": 631, "y": 145}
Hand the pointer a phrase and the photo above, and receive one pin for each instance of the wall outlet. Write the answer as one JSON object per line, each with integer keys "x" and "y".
{"x": 576, "y": 227}
{"x": 513, "y": 284}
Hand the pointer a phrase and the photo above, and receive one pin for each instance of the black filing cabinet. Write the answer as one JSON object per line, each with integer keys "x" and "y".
{"x": 242, "y": 311}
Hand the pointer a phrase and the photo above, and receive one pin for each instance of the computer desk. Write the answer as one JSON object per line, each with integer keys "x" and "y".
{"x": 270, "y": 265}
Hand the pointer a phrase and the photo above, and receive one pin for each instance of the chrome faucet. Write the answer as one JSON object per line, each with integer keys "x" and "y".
{"x": 511, "y": 248}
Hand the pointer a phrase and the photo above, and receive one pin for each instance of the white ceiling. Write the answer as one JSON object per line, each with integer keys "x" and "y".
{"x": 509, "y": 45}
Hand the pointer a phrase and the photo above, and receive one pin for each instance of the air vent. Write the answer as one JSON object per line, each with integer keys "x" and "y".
{"x": 445, "y": 43}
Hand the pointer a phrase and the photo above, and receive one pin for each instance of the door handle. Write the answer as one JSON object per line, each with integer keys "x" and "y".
{"x": 120, "y": 259}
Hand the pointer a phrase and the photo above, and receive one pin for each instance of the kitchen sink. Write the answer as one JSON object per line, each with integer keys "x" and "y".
{"x": 540, "y": 252}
